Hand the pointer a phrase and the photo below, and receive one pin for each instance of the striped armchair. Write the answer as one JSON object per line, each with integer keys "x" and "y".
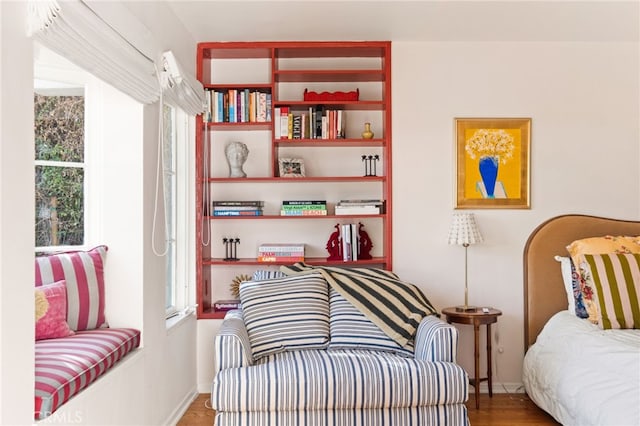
{"x": 355, "y": 376}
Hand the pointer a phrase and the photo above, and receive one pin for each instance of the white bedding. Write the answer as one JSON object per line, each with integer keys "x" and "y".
{"x": 583, "y": 375}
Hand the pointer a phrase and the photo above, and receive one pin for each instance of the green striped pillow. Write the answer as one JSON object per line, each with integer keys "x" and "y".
{"x": 616, "y": 280}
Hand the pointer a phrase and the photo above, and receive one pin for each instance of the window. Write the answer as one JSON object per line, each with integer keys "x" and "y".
{"x": 176, "y": 201}
{"x": 59, "y": 168}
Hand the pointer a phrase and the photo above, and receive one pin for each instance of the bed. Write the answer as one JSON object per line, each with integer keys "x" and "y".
{"x": 574, "y": 370}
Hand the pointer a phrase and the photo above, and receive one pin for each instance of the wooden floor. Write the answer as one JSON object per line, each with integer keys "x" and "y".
{"x": 501, "y": 410}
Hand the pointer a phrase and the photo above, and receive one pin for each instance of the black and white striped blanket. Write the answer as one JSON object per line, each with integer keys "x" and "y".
{"x": 395, "y": 306}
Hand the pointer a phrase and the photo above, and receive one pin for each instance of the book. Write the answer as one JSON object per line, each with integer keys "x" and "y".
{"x": 237, "y": 212}
{"x": 281, "y": 246}
{"x": 299, "y": 212}
{"x": 276, "y": 123}
{"x": 291, "y": 259}
{"x": 226, "y": 305}
{"x": 281, "y": 253}
{"x": 343, "y": 210}
{"x": 303, "y": 202}
{"x": 254, "y": 203}
{"x": 357, "y": 202}
{"x": 284, "y": 122}
{"x": 237, "y": 208}
{"x": 296, "y": 127}
{"x": 304, "y": 207}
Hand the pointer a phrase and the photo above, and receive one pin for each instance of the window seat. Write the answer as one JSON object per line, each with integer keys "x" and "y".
{"x": 67, "y": 365}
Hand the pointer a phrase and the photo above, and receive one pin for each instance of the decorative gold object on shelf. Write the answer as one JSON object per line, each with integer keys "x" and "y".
{"x": 235, "y": 284}
{"x": 367, "y": 134}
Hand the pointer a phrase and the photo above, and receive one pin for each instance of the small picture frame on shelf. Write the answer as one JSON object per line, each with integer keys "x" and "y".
{"x": 291, "y": 167}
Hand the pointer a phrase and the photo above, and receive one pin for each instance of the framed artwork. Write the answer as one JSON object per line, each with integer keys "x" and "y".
{"x": 291, "y": 167}
{"x": 492, "y": 163}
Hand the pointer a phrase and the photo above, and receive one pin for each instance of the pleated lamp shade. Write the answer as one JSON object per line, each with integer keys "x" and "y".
{"x": 464, "y": 230}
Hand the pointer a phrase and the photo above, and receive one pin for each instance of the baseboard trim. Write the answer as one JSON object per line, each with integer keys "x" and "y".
{"x": 182, "y": 408}
{"x": 500, "y": 388}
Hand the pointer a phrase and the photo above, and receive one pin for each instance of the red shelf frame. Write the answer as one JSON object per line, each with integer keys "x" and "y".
{"x": 273, "y": 52}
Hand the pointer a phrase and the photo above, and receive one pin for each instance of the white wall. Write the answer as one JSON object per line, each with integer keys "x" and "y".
{"x": 16, "y": 217}
{"x": 583, "y": 102}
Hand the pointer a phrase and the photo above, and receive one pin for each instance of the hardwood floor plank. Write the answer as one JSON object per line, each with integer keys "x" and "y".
{"x": 501, "y": 410}
{"x": 507, "y": 410}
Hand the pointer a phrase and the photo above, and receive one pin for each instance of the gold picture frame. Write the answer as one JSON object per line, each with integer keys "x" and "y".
{"x": 492, "y": 152}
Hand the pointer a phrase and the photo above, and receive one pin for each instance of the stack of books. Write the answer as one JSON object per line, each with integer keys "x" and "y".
{"x": 281, "y": 252}
{"x": 237, "y": 208}
{"x": 304, "y": 208}
{"x": 360, "y": 207}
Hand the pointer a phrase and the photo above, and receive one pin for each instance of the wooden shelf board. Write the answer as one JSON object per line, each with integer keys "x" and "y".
{"x": 346, "y": 105}
{"x": 314, "y": 76}
{"x": 329, "y": 143}
{"x": 299, "y": 179}
{"x": 210, "y": 313}
{"x": 319, "y": 261}
{"x": 316, "y": 217}
{"x": 238, "y": 126}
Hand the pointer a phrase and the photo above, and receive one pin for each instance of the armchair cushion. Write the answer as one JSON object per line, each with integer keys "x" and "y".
{"x": 286, "y": 314}
{"x": 351, "y": 329}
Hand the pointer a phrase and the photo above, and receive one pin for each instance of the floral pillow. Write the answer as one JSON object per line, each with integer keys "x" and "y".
{"x": 597, "y": 245}
{"x": 51, "y": 311}
{"x": 571, "y": 279}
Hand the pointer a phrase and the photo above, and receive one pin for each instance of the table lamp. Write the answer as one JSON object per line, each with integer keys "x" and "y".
{"x": 464, "y": 232}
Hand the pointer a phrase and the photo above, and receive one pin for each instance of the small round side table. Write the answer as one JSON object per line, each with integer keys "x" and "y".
{"x": 476, "y": 318}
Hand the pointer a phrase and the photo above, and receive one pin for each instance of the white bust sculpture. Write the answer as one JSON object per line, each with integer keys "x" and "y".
{"x": 236, "y": 153}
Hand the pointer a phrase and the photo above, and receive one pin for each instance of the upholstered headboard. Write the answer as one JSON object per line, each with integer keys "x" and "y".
{"x": 544, "y": 293}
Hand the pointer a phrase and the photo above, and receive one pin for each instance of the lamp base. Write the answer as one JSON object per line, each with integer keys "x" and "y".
{"x": 466, "y": 308}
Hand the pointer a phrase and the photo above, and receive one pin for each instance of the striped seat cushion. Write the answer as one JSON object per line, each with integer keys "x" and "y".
{"x": 286, "y": 314}
{"x": 67, "y": 365}
{"x": 351, "y": 329}
{"x": 342, "y": 379}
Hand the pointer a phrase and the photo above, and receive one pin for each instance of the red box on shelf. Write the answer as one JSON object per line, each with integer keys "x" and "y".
{"x": 331, "y": 96}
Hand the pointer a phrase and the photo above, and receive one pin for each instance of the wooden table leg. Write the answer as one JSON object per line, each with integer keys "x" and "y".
{"x": 489, "y": 360}
{"x": 476, "y": 338}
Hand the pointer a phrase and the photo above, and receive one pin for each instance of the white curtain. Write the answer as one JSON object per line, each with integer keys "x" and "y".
{"x": 73, "y": 30}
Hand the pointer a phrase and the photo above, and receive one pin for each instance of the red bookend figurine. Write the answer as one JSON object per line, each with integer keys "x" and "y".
{"x": 334, "y": 246}
{"x": 365, "y": 245}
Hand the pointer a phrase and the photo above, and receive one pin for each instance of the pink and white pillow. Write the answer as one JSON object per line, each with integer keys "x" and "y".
{"x": 83, "y": 272}
{"x": 51, "y": 311}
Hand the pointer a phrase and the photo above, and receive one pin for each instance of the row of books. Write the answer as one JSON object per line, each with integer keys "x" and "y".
{"x": 281, "y": 252}
{"x": 299, "y": 207}
{"x": 359, "y": 207}
{"x": 237, "y": 106}
{"x": 237, "y": 208}
{"x": 304, "y": 208}
{"x": 350, "y": 241}
{"x": 316, "y": 123}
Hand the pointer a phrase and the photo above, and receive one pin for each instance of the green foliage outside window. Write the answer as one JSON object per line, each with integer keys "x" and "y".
{"x": 59, "y": 137}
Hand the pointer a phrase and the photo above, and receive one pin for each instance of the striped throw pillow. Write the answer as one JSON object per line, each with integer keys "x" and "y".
{"x": 616, "y": 279}
{"x": 83, "y": 272}
{"x": 351, "y": 329}
{"x": 286, "y": 314}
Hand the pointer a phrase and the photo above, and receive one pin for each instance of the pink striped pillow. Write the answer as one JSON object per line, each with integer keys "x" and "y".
{"x": 84, "y": 273}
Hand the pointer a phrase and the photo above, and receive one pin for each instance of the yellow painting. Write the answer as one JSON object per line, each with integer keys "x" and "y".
{"x": 492, "y": 160}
